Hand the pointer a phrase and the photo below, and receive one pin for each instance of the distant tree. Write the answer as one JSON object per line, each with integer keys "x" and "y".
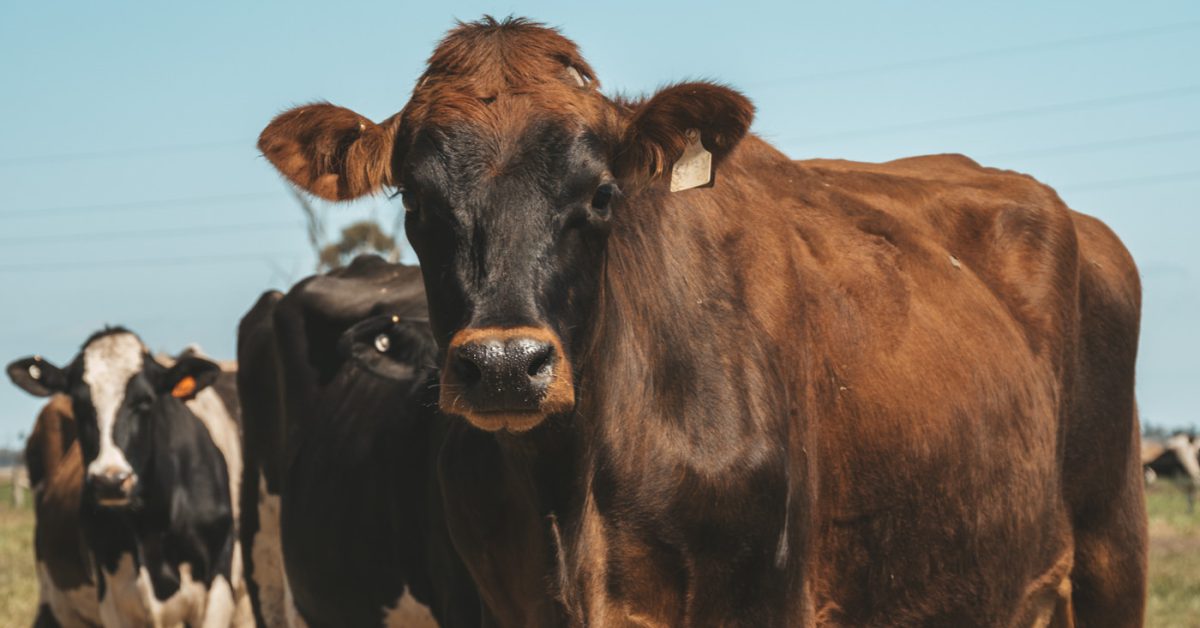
{"x": 363, "y": 236}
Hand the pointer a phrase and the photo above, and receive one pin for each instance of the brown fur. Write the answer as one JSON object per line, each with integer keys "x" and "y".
{"x": 332, "y": 152}
{"x": 816, "y": 393}
{"x": 54, "y": 459}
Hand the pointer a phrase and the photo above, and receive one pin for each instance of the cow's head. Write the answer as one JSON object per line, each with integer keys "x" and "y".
{"x": 119, "y": 393}
{"x": 514, "y": 170}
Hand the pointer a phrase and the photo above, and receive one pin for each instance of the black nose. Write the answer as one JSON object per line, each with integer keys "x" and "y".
{"x": 111, "y": 485}
{"x": 504, "y": 375}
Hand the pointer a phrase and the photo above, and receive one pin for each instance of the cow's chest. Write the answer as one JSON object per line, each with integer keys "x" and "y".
{"x": 129, "y": 598}
{"x": 676, "y": 547}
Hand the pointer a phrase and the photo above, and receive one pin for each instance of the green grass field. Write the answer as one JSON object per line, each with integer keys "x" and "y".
{"x": 1174, "y": 561}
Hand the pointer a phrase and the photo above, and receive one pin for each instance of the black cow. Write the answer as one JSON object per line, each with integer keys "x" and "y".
{"x": 156, "y": 512}
{"x": 341, "y": 429}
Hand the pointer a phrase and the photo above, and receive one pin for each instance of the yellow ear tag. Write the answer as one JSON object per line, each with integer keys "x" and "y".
{"x": 184, "y": 388}
{"x": 694, "y": 168}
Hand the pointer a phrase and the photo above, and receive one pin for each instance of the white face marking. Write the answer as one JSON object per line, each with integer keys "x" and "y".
{"x": 108, "y": 364}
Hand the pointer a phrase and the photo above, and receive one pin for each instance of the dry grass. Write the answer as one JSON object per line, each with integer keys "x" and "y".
{"x": 1174, "y": 600}
{"x": 18, "y": 585}
{"x": 1174, "y": 561}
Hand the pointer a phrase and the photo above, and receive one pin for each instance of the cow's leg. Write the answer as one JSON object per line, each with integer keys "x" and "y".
{"x": 219, "y": 605}
{"x": 1109, "y": 580}
{"x": 45, "y": 618}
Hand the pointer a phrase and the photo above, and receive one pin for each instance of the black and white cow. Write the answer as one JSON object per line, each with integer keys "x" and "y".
{"x": 341, "y": 433}
{"x": 1177, "y": 458}
{"x": 160, "y": 448}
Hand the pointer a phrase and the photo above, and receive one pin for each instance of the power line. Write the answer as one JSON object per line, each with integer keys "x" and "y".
{"x": 1126, "y": 142}
{"x": 1077, "y": 105}
{"x": 124, "y": 152}
{"x": 52, "y": 266}
{"x": 158, "y": 233}
{"x": 981, "y": 54}
{"x": 802, "y": 78}
{"x": 1132, "y": 182}
{"x": 137, "y": 205}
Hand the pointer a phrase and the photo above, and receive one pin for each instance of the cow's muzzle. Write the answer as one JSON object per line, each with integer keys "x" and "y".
{"x": 113, "y": 487}
{"x": 506, "y": 378}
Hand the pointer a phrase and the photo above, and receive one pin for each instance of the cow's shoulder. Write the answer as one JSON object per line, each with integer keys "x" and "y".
{"x": 53, "y": 434}
{"x": 59, "y": 544}
{"x": 1009, "y": 230}
{"x": 369, "y": 284}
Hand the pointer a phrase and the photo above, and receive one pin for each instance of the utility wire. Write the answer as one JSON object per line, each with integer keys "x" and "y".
{"x": 1084, "y": 40}
{"x": 157, "y": 233}
{"x": 980, "y": 54}
{"x": 1125, "y": 142}
{"x": 52, "y": 266}
{"x": 1110, "y": 184}
{"x": 1077, "y": 105}
{"x": 124, "y": 152}
{"x": 137, "y": 205}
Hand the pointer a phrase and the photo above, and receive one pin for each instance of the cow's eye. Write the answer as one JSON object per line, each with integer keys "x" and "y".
{"x": 409, "y": 200}
{"x": 603, "y": 198}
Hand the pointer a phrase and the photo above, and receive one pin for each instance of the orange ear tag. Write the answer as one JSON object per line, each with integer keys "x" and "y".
{"x": 184, "y": 388}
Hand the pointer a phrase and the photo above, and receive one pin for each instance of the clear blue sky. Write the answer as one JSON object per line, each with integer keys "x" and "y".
{"x": 131, "y": 191}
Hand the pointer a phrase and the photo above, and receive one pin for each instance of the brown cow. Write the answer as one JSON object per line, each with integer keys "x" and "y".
{"x": 705, "y": 385}
{"x": 67, "y": 591}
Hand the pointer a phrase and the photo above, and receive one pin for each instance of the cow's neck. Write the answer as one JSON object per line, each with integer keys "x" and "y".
{"x": 684, "y": 412}
{"x": 511, "y": 494}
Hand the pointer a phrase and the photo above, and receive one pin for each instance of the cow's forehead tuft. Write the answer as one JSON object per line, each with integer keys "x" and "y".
{"x": 111, "y": 359}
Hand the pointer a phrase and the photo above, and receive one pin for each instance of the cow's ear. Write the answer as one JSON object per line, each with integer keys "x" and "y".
{"x": 389, "y": 346}
{"x": 37, "y": 377}
{"x": 674, "y": 124}
{"x": 187, "y": 377}
{"x": 329, "y": 151}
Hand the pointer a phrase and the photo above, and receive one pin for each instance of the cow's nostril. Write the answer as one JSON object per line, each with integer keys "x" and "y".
{"x": 541, "y": 362}
{"x": 467, "y": 370}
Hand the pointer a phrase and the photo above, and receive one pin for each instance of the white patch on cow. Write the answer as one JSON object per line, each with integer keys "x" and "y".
{"x": 1186, "y": 450}
{"x": 185, "y": 606}
{"x": 225, "y": 434}
{"x": 294, "y": 620}
{"x": 223, "y": 429}
{"x": 218, "y": 612}
{"x": 274, "y": 595}
{"x": 129, "y": 598}
{"x": 125, "y": 602}
{"x": 108, "y": 364}
{"x": 243, "y": 614}
{"x": 407, "y": 612}
{"x": 71, "y": 607}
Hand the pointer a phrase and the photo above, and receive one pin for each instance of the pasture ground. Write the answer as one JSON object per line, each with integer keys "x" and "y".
{"x": 1174, "y": 600}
